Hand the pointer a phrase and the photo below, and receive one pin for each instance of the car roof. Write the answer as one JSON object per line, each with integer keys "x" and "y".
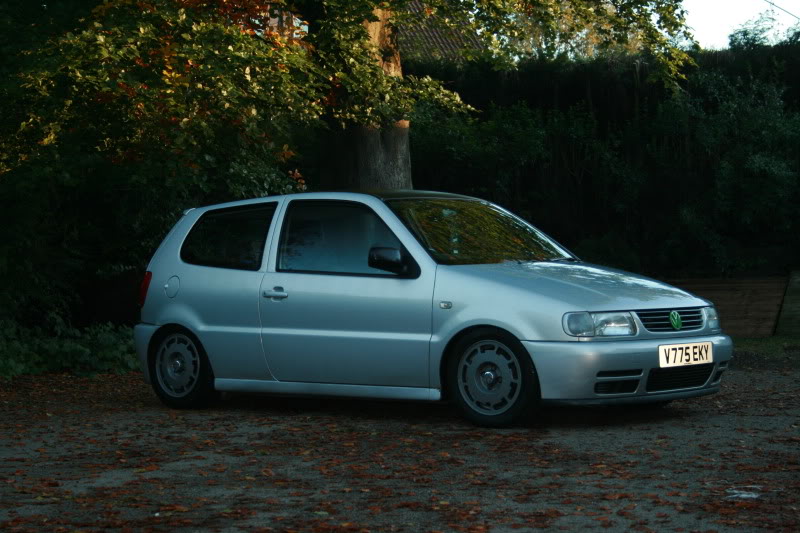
{"x": 408, "y": 194}
{"x": 384, "y": 195}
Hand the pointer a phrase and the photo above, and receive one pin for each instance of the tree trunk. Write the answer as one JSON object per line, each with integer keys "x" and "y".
{"x": 373, "y": 158}
{"x": 383, "y": 159}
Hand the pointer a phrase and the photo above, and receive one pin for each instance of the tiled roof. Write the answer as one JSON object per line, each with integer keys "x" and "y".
{"x": 427, "y": 38}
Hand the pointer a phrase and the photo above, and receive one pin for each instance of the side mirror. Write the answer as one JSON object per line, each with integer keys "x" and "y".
{"x": 389, "y": 259}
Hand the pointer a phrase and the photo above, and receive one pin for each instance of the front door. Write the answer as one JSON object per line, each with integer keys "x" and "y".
{"x": 219, "y": 284}
{"x": 327, "y": 317}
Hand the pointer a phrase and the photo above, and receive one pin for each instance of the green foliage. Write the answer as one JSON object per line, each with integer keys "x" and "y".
{"x": 549, "y": 166}
{"x": 752, "y": 34}
{"x": 100, "y": 348}
{"x": 510, "y": 31}
{"x": 117, "y": 115}
{"x": 611, "y": 249}
{"x": 119, "y": 126}
{"x": 492, "y": 150}
{"x": 701, "y": 181}
{"x": 736, "y": 185}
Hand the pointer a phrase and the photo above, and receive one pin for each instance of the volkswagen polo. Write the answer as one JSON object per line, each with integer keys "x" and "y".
{"x": 410, "y": 295}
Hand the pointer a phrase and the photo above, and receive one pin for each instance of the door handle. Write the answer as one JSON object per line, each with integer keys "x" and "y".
{"x": 277, "y": 293}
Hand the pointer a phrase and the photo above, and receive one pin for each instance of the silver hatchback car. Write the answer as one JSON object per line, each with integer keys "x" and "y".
{"x": 410, "y": 295}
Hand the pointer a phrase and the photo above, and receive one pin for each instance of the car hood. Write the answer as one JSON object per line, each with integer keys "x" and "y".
{"x": 579, "y": 286}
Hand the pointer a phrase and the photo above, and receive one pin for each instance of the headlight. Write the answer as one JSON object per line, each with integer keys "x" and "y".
{"x": 613, "y": 324}
{"x": 712, "y": 318}
{"x": 599, "y": 324}
{"x": 578, "y": 324}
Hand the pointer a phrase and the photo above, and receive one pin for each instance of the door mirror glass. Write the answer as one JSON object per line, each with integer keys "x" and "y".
{"x": 388, "y": 259}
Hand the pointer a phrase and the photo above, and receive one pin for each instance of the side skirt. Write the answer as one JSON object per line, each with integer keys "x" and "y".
{"x": 327, "y": 389}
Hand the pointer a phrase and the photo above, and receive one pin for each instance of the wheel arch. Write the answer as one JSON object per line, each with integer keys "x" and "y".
{"x": 165, "y": 330}
{"x": 448, "y": 352}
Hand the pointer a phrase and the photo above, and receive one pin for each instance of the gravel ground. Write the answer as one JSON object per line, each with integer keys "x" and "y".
{"x": 97, "y": 453}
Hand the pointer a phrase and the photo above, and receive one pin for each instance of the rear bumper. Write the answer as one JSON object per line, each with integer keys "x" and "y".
{"x": 620, "y": 372}
{"x": 142, "y": 333}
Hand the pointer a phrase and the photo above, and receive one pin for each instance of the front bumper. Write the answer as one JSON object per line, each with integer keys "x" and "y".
{"x": 623, "y": 371}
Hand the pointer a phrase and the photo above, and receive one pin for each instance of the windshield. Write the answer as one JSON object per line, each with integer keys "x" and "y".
{"x": 464, "y": 232}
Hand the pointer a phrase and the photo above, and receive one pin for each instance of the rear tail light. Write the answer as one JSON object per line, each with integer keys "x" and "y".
{"x": 144, "y": 286}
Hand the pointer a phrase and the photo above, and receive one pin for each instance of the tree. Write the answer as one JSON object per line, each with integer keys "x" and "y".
{"x": 118, "y": 114}
{"x": 753, "y": 33}
{"x": 375, "y": 154}
{"x": 307, "y": 60}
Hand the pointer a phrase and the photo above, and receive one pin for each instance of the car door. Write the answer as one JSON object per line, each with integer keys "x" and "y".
{"x": 220, "y": 278}
{"x": 327, "y": 317}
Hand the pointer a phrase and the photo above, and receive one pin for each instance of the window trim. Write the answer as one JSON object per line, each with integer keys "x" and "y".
{"x": 414, "y": 269}
{"x": 226, "y": 210}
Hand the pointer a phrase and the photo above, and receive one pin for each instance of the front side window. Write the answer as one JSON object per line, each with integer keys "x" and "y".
{"x": 332, "y": 237}
{"x": 229, "y": 238}
{"x": 462, "y": 232}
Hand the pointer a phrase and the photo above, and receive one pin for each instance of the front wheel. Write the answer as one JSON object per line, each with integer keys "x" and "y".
{"x": 491, "y": 378}
{"x": 180, "y": 371}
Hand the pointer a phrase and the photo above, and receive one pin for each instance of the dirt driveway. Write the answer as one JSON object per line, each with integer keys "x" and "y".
{"x": 90, "y": 454}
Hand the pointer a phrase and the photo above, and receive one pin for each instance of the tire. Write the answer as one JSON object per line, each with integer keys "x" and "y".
{"x": 491, "y": 377}
{"x": 180, "y": 372}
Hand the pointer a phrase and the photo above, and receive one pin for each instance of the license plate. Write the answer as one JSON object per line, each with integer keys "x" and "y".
{"x": 695, "y": 353}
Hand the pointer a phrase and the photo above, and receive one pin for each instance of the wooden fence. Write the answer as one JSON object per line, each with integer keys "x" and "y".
{"x": 747, "y": 307}
{"x": 789, "y": 321}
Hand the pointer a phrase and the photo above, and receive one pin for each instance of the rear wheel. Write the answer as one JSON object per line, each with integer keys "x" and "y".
{"x": 491, "y": 378}
{"x": 180, "y": 371}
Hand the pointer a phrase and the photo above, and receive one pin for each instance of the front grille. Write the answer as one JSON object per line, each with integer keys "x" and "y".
{"x": 658, "y": 319}
{"x": 681, "y": 377}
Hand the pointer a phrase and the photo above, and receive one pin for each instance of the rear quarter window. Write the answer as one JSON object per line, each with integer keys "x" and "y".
{"x": 229, "y": 238}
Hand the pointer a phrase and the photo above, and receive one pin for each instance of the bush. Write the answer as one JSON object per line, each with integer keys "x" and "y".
{"x": 700, "y": 181}
{"x": 101, "y": 348}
